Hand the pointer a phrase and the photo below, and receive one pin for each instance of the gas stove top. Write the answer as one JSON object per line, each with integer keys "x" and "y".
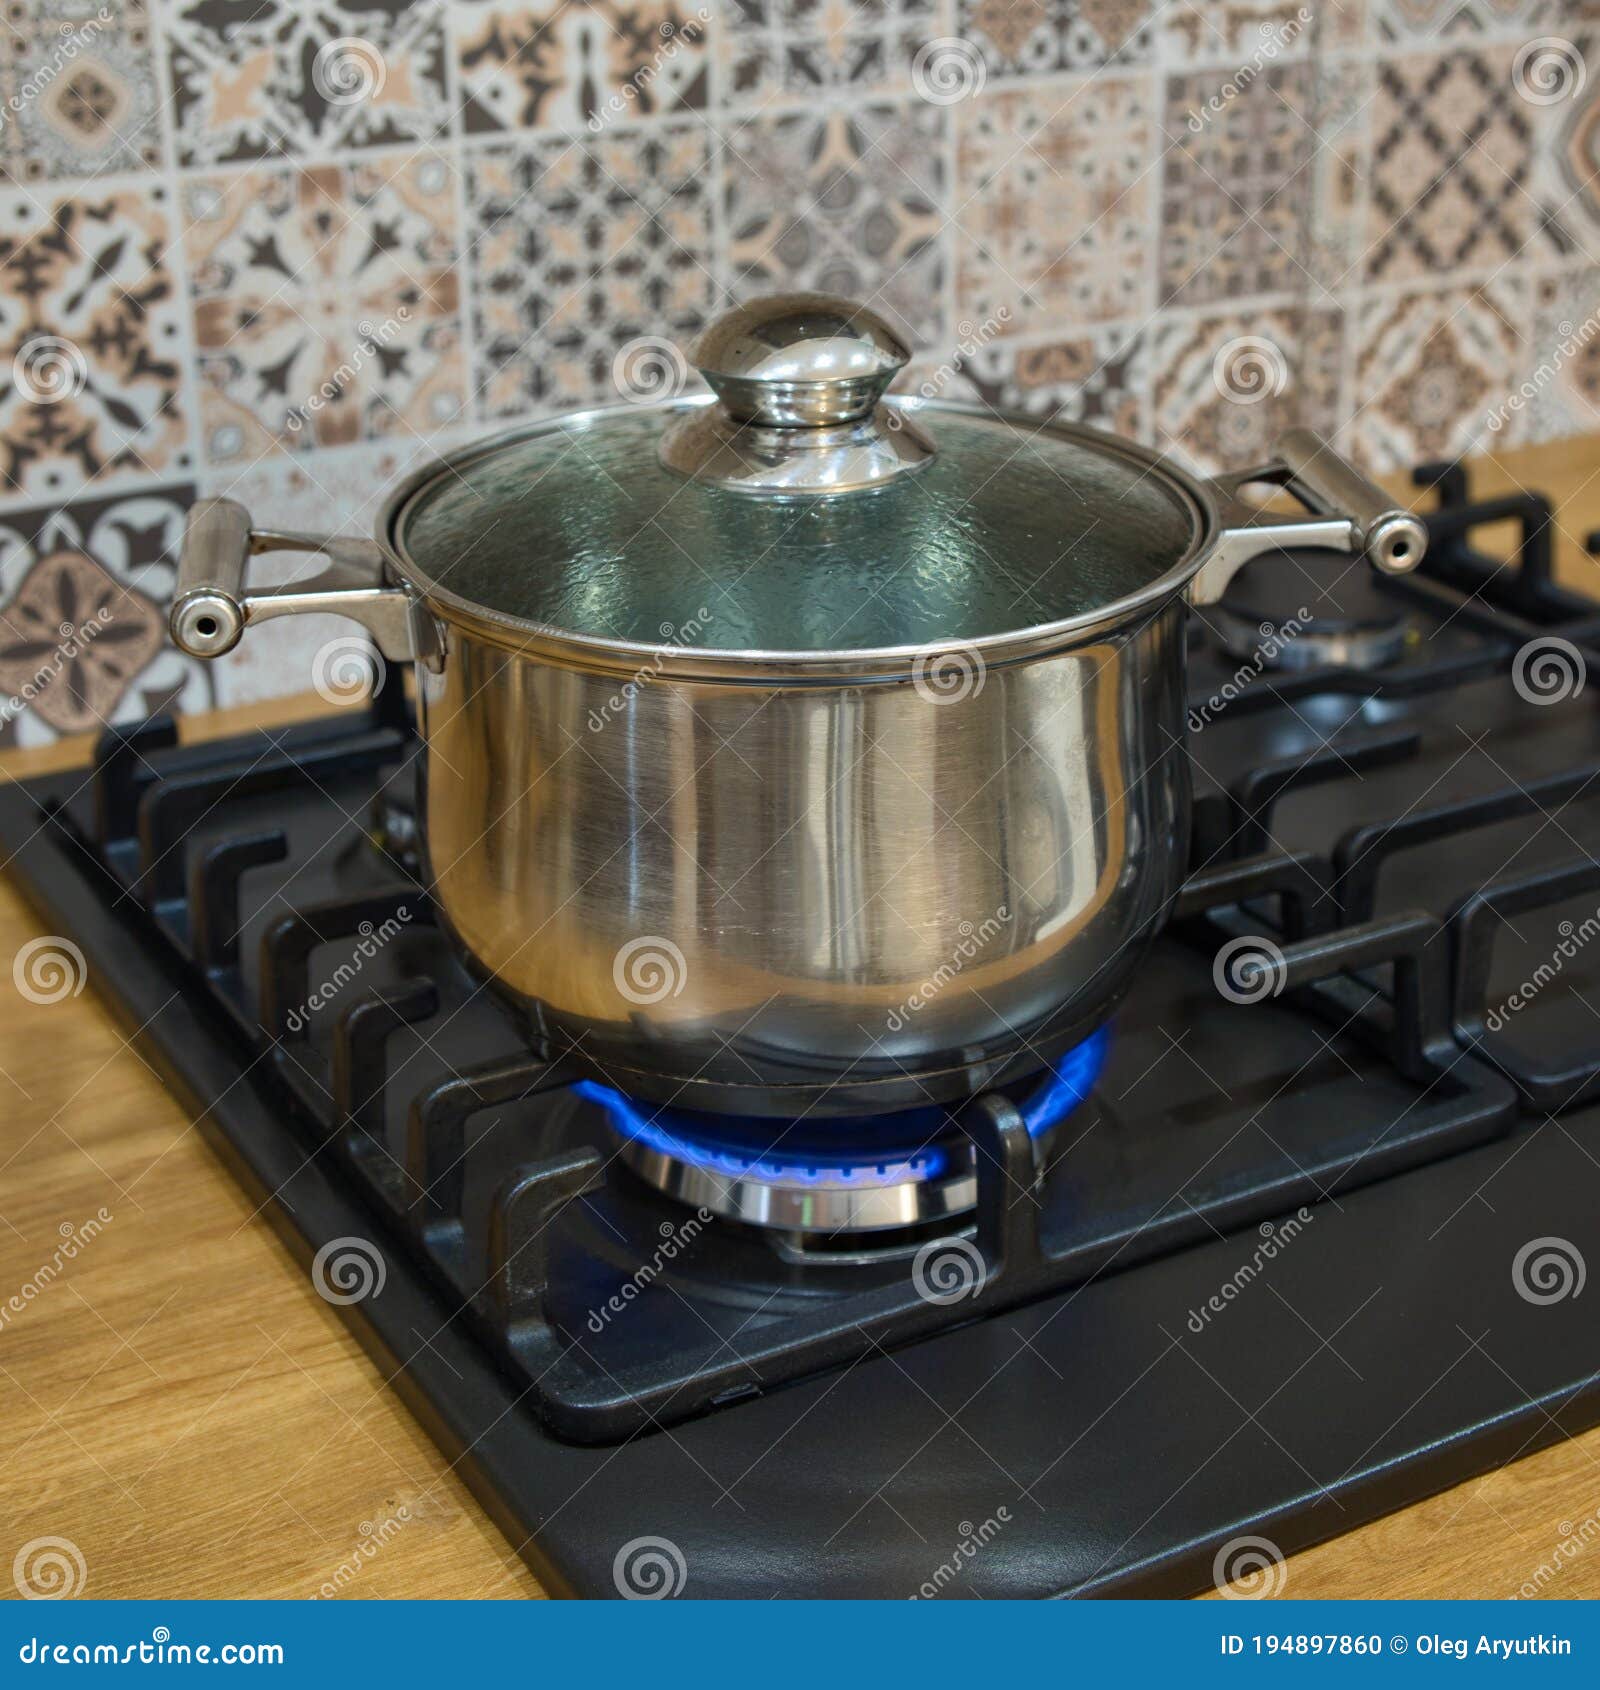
{"x": 1292, "y": 1242}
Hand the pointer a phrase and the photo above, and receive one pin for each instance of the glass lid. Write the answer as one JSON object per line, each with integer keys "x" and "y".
{"x": 799, "y": 513}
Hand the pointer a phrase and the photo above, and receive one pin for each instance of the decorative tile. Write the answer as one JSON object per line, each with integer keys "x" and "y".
{"x": 1419, "y": 21}
{"x": 1560, "y": 379}
{"x": 1452, "y": 156}
{"x": 578, "y": 247}
{"x": 788, "y": 47}
{"x": 83, "y": 626}
{"x": 1234, "y": 185}
{"x": 1336, "y": 177}
{"x": 88, "y": 332}
{"x": 842, "y": 201}
{"x": 272, "y": 77}
{"x": 1053, "y": 221}
{"x": 1566, "y": 154}
{"x": 566, "y": 63}
{"x": 1100, "y": 378}
{"x": 1026, "y": 37}
{"x": 1244, "y": 36}
{"x": 326, "y": 305}
{"x": 78, "y": 88}
{"x": 1226, "y": 386}
{"x": 1433, "y": 368}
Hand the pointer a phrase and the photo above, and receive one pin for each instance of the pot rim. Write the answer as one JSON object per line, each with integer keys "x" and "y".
{"x": 670, "y": 659}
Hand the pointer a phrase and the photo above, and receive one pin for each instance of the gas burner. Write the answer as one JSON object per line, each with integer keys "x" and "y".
{"x": 1277, "y": 616}
{"x": 813, "y": 1180}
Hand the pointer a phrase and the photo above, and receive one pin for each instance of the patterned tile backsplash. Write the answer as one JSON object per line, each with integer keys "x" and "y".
{"x": 284, "y": 250}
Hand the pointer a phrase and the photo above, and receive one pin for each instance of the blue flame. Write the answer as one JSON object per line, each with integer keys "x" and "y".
{"x": 704, "y": 1141}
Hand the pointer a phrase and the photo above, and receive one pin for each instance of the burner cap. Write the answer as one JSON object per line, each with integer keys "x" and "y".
{"x": 816, "y": 1178}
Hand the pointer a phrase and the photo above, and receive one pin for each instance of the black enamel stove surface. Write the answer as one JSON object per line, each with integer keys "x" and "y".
{"x": 1402, "y": 844}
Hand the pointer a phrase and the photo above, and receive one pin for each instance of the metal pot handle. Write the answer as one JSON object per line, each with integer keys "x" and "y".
{"x": 1347, "y": 513}
{"x": 212, "y": 608}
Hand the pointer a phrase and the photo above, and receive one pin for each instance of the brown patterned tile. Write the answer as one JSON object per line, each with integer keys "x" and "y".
{"x": 1100, "y": 378}
{"x": 796, "y": 47}
{"x": 1029, "y": 37}
{"x": 83, "y": 624}
{"x": 1225, "y": 386}
{"x": 1432, "y": 367}
{"x": 1452, "y": 160}
{"x": 578, "y": 247}
{"x": 1565, "y": 114}
{"x": 78, "y": 90}
{"x": 1242, "y": 37}
{"x": 89, "y": 337}
{"x": 326, "y": 305}
{"x": 1423, "y": 21}
{"x": 1056, "y": 185}
{"x": 1559, "y": 389}
{"x": 843, "y": 201}
{"x": 1335, "y": 179}
{"x": 279, "y": 77}
{"x": 1234, "y": 185}
{"x": 569, "y": 63}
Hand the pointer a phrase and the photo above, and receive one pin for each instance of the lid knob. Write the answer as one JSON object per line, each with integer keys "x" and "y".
{"x": 800, "y": 380}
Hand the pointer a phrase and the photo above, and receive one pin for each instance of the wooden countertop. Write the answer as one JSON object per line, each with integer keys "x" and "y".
{"x": 182, "y": 1407}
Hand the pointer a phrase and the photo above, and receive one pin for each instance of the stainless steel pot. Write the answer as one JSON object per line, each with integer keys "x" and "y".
{"x": 787, "y": 876}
